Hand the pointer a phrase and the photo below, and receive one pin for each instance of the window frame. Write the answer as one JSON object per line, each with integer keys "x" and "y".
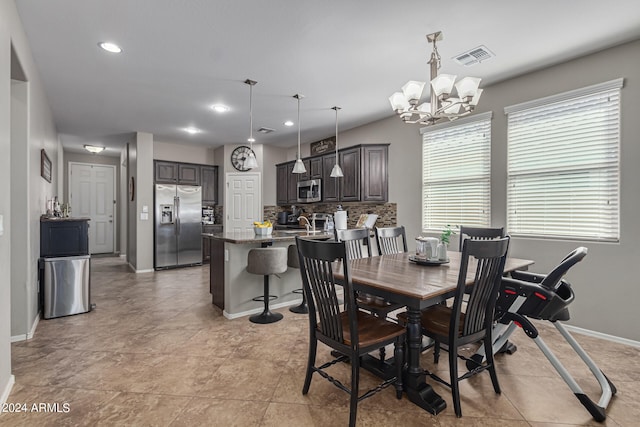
{"x": 540, "y": 171}
{"x": 460, "y": 185}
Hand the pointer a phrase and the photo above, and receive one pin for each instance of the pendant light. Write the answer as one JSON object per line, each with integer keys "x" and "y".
{"x": 336, "y": 172}
{"x": 299, "y": 166}
{"x": 252, "y": 162}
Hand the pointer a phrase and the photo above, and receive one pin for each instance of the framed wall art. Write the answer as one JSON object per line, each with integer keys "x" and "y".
{"x": 45, "y": 166}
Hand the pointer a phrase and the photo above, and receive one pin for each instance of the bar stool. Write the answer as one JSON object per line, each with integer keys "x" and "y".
{"x": 294, "y": 262}
{"x": 266, "y": 261}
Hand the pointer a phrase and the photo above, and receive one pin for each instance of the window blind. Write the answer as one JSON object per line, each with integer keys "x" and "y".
{"x": 456, "y": 167}
{"x": 563, "y": 166}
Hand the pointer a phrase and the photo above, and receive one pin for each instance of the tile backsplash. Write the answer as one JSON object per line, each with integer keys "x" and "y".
{"x": 387, "y": 212}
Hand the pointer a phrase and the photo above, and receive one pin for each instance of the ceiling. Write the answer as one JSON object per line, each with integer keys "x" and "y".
{"x": 181, "y": 57}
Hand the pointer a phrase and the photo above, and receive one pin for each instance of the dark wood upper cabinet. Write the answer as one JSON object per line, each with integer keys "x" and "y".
{"x": 350, "y": 185}
{"x": 315, "y": 168}
{"x": 365, "y": 175}
{"x": 209, "y": 182}
{"x": 282, "y": 187}
{"x": 292, "y": 184}
{"x": 329, "y": 185}
{"x": 188, "y": 174}
{"x": 166, "y": 172}
{"x": 375, "y": 182}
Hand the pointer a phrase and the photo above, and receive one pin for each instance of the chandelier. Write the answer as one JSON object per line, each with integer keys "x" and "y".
{"x": 442, "y": 104}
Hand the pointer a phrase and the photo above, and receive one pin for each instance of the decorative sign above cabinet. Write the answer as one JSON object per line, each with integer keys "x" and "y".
{"x": 324, "y": 146}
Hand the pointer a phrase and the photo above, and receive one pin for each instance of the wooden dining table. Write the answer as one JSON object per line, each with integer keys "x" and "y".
{"x": 396, "y": 278}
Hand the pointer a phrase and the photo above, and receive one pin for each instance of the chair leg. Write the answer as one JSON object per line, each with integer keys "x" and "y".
{"x": 398, "y": 356}
{"x": 453, "y": 377}
{"x": 311, "y": 362}
{"x": 266, "y": 316}
{"x": 436, "y": 352}
{"x": 355, "y": 379}
{"x": 488, "y": 350}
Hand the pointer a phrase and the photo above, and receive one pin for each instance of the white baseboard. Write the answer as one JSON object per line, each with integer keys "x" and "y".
{"x": 149, "y": 270}
{"x": 259, "y": 310}
{"x": 123, "y": 256}
{"x": 7, "y": 390}
{"x": 28, "y": 335}
{"x": 602, "y": 336}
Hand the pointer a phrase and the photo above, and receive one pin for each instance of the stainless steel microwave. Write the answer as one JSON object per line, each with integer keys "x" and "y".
{"x": 309, "y": 191}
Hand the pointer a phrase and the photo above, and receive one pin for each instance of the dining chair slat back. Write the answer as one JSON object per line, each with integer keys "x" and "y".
{"x": 352, "y": 333}
{"x": 354, "y": 239}
{"x": 456, "y": 329}
{"x": 479, "y": 233}
{"x": 391, "y": 240}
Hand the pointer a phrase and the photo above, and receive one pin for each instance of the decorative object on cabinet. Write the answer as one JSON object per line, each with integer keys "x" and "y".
{"x": 298, "y": 166}
{"x": 336, "y": 172}
{"x": 442, "y": 105}
{"x": 323, "y": 146}
{"x": 252, "y": 162}
{"x": 239, "y": 158}
{"x": 45, "y": 166}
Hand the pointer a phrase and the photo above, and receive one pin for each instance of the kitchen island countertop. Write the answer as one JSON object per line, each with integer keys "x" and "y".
{"x": 249, "y": 236}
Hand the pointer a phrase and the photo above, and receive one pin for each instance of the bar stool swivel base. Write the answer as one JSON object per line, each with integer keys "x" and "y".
{"x": 267, "y": 316}
{"x": 303, "y": 308}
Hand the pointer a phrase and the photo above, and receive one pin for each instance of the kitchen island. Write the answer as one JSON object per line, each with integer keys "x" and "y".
{"x": 232, "y": 288}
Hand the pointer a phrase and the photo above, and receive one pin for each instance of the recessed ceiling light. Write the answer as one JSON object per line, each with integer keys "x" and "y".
{"x": 288, "y": 123}
{"x": 192, "y": 130}
{"x": 219, "y": 108}
{"x": 110, "y": 47}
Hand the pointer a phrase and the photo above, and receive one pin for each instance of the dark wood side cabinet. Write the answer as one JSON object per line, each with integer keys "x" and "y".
{"x": 292, "y": 184}
{"x": 216, "y": 272}
{"x": 64, "y": 237}
{"x": 209, "y": 182}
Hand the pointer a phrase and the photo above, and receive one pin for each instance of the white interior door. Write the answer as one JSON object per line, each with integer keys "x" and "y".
{"x": 243, "y": 201}
{"x": 91, "y": 195}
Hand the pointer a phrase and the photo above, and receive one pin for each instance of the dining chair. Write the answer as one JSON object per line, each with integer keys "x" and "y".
{"x": 454, "y": 328}
{"x": 479, "y": 233}
{"x": 391, "y": 240}
{"x": 352, "y": 333}
{"x": 354, "y": 239}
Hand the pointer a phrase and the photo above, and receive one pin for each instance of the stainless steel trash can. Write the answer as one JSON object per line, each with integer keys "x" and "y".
{"x": 66, "y": 285}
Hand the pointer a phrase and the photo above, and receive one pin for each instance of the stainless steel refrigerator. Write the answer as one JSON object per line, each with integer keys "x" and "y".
{"x": 178, "y": 226}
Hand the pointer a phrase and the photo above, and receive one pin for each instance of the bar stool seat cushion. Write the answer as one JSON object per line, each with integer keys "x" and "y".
{"x": 265, "y": 261}
{"x": 292, "y": 257}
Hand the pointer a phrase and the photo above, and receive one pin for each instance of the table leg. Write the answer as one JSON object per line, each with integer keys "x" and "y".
{"x": 418, "y": 391}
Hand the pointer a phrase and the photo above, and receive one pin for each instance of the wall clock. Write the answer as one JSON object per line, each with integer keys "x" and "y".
{"x": 239, "y": 158}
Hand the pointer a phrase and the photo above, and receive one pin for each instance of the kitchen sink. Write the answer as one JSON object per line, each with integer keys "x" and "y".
{"x": 300, "y": 231}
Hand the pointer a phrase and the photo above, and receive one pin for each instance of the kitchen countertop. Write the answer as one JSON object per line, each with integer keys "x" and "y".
{"x": 248, "y": 236}
{"x": 45, "y": 218}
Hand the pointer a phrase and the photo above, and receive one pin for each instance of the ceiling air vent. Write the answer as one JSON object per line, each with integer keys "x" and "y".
{"x": 266, "y": 130}
{"x": 474, "y": 56}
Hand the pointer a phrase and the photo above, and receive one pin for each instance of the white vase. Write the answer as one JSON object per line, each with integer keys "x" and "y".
{"x": 442, "y": 251}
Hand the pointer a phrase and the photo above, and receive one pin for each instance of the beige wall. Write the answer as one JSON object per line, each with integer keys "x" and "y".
{"x": 181, "y": 151}
{"x": 605, "y": 282}
{"x": 40, "y": 134}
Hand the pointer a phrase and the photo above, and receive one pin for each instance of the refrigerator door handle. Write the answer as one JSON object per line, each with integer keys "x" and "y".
{"x": 176, "y": 201}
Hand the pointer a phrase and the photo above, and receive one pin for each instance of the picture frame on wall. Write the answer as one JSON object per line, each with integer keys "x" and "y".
{"x": 323, "y": 146}
{"x": 45, "y": 166}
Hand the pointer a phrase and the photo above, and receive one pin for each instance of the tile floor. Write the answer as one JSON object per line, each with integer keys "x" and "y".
{"x": 156, "y": 352}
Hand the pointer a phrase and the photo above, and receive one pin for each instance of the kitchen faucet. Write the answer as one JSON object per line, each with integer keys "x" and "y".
{"x": 308, "y": 224}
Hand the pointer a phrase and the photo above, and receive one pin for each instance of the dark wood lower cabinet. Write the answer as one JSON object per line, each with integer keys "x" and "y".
{"x": 216, "y": 272}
